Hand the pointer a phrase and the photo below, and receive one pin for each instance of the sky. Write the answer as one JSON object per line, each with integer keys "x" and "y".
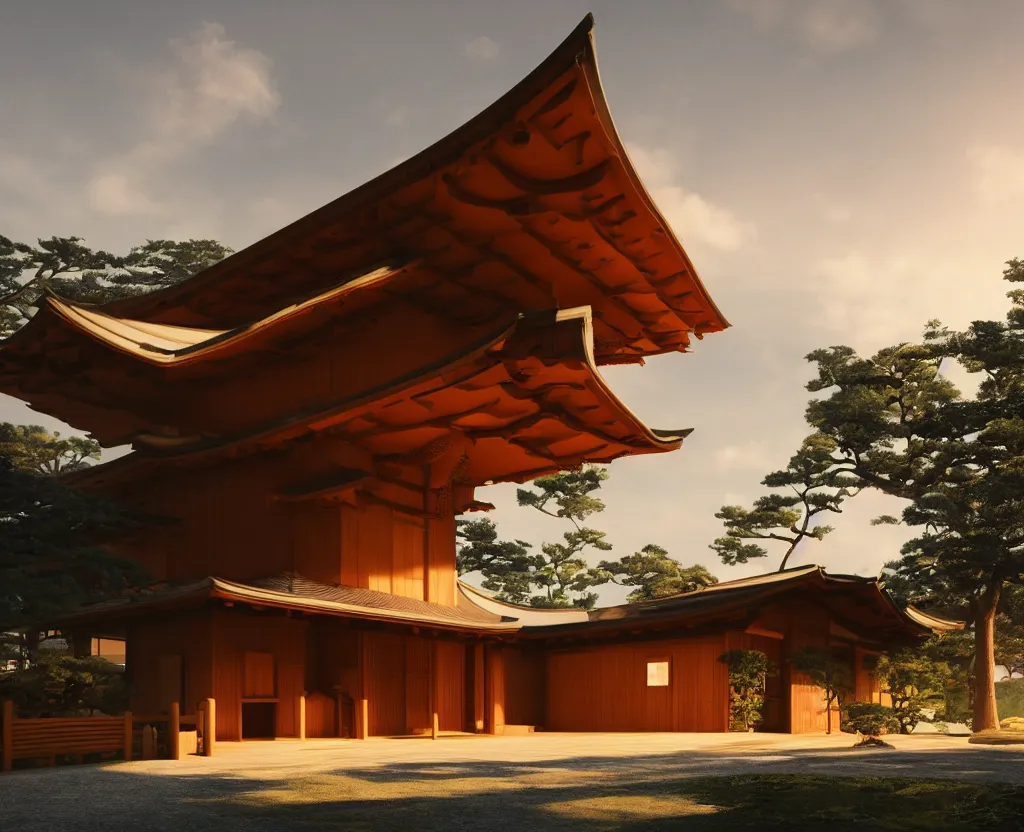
{"x": 840, "y": 172}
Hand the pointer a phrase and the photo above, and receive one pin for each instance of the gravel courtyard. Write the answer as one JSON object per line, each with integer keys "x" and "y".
{"x": 544, "y": 781}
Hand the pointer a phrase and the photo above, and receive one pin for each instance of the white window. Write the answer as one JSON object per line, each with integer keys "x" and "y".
{"x": 657, "y": 674}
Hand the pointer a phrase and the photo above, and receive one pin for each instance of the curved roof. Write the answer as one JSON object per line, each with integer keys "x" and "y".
{"x": 533, "y": 203}
{"x": 857, "y": 596}
{"x": 528, "y": 398}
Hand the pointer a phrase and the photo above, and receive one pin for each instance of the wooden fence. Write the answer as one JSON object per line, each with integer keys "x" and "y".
{"x": 49, "y": 738}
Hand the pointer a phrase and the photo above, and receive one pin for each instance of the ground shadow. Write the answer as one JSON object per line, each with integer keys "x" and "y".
{"x": 692, "y": 791}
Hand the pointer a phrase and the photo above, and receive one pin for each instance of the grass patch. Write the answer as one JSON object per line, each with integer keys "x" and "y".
{"x": 839, "y": 803}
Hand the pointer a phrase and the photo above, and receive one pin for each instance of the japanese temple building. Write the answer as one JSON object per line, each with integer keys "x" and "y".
{"x": 310, "y": 415}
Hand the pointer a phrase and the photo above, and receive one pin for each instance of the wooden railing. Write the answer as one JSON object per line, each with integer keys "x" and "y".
{"x": 48, "y": 739}
{"x": 51, "y": 737}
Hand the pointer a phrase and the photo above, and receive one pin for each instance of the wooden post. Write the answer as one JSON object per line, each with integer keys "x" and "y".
{"x": 128, "y": 726}
{"x": 302, "y": 716}
{"x": 362, "y": 709}
{"x": 433, "y": 689}
{"x": 174, "y": 731}
{"x": 478, "y": 688}
{"x": 7, "y": 731}
{"x": 210, "y": 730}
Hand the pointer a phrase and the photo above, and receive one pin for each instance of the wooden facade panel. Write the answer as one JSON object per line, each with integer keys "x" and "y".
{"x": 374, "y": 553}
{"x": 237, "y": 633}
{"x": 316, "y": 542}
{"x": 442, "y": 575}
{"x": 606, "y": 688}
{"x": 525, "y": 686}
{"x": 167, "y": 657}
{"x": 384, "y": 683}
{"x": 290, "y": 686}
{"x": 450, "y": 685}
{"x": 321, "y": 716}
{"x": 418, "y": 670}
{"x": 409, "y": 567}
{"x": 494, "y": 690}
{"x": 170, "y": 681}
{"x": 808, "y": 627}
{"x": 258, "y": 675}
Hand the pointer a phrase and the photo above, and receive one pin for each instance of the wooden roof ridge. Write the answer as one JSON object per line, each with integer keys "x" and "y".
{"x": 556, "y": 336}
{"x": 576, "y": 53}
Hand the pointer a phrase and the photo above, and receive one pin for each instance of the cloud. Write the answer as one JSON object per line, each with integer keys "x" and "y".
{"x": 691, "y": 216}
{"x": 212, "y": 84}
{"x": 826, "y": 26}
{"x": 482, "y": 49}
{"x": 114, "y": 194}
{"x": 997, "y": 172}
{"x": 754, "y": 456}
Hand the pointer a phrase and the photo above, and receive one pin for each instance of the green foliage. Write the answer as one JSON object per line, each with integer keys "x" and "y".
{"x": 33, "y": 449}
{"x": 507, "y": 565}
{"x": 1010, "y": 696}
{"x": 748, "y": 670}
{"x": 899, "y": 426}
{"x": 68, "y": 268}
{"x": 831, "y": 673}
{"x": 869, "y": 719}
{"x": 51, "y": 557}
{"x": 564, "y": 577}
{"x": 914, "y": 681}
{"x": 655, "y": 574}
{"x": 807, "y": 488}
{"x": 58, "y": 686}
{"x": 560, "y": 570}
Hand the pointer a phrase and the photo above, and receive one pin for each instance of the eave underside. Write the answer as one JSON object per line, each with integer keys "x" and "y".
{"x": 526, "y": 401}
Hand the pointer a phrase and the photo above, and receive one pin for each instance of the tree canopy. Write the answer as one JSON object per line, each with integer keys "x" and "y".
{"x": 34, "y": 449}
{"x": 895, "y": 423}
{"x": 807, "y": 488}
{"x": 69, "y": 268}
{"x": 560, "y": 575}
{"x": 654, "y": 574}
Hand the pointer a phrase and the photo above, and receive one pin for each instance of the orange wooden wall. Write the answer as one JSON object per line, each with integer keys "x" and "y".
{"x": 231, "y": 526}
{"x": 605, "y": 688}
{"x": 368, "y": 350}
{"x": 170, "y": 660}
{"x": 525, "y": 686}
{"x": 283, "y": 640}
{"x": 398, "y": 671}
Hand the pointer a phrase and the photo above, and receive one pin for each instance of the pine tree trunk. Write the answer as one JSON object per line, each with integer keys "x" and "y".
{"x": 985, "y": 713}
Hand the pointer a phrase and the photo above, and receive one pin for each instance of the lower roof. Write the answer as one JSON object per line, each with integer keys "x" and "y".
{"x": 475, "y": 611}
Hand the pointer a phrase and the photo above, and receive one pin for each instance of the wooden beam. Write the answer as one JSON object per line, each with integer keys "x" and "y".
{"x": 210, "y": 732}
{"x": 129, "y": 725}
{"x": 174, "y": 730}
{"x": 362, "y": 711}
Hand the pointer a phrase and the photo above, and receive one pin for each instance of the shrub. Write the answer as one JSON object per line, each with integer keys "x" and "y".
{"x": 65, "y": 686}
{"x": 870, "y": 719}
{"x": 747, "y": 672}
